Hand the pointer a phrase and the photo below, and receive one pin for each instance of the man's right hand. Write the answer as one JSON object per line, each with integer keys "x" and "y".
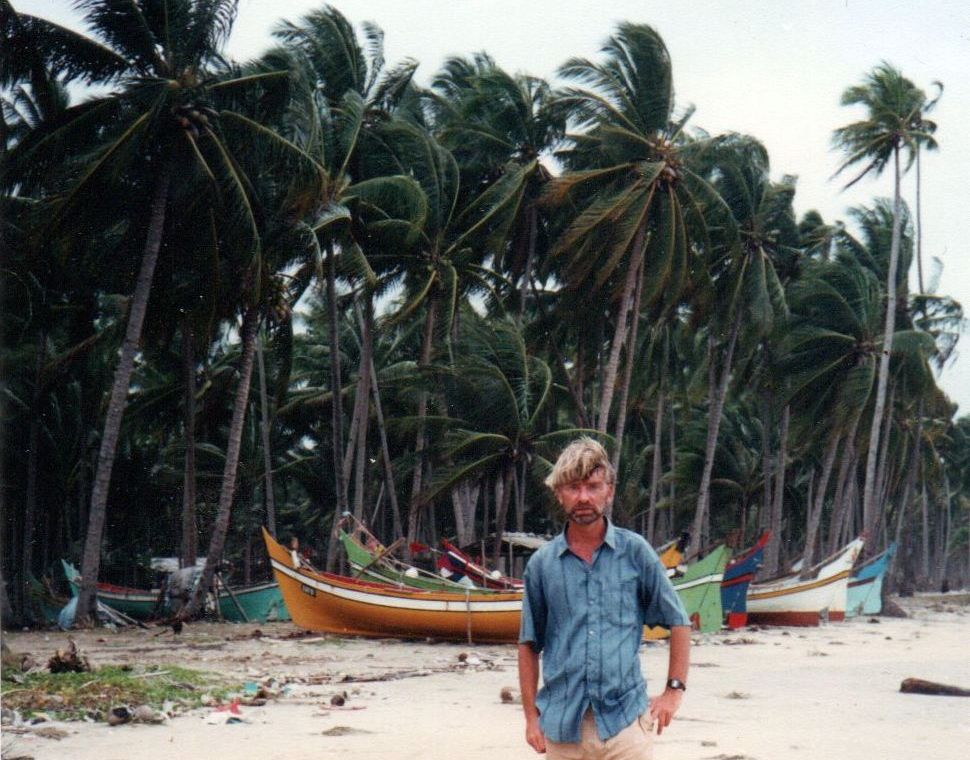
{"x": 534, "y": 735}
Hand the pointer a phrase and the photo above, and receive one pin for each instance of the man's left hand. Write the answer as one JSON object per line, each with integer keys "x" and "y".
{"x": 664, "y": 707}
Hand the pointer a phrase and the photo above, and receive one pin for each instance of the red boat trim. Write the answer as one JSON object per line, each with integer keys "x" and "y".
{"x": 746, "y": 578}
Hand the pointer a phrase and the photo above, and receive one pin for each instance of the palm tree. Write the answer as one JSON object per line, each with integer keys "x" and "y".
{"x": 925, "y": 140}
{"x": 504, "y": 396}
{"x": 630, "y": 242}
{"x": 497, "y": 127}
{"x": 830, "y": 356}
{"x": 743, "y": 271}
{"x": 156, "y": 135}
{"x": 347, "y": 95}
{"x": 893, "y": 124}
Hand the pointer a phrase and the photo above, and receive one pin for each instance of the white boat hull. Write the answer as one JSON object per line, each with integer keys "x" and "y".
{"x": 790, "y": 600}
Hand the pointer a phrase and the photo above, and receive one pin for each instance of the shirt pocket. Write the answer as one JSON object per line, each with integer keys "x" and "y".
{"x": 623, "y": 604}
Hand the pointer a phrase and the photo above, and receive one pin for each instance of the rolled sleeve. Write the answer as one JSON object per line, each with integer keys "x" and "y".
{"x": 532, "y": 629}
{"x": 661, "y": 603}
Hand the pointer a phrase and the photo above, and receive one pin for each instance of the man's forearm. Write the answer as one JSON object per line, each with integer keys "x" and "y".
{"x": 528, "y": 679}
{"x": 679, "y": 653}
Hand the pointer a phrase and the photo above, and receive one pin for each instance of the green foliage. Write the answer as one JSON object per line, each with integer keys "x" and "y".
{"x": 74, "y": 696}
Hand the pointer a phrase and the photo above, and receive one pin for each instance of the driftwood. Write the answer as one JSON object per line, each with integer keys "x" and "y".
{"x": 919, "y": 686}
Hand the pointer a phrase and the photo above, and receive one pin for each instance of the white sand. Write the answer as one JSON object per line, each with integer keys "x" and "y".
{"x": 830, "y": 692}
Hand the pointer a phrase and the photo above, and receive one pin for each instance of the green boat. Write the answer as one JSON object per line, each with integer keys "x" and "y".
{"x": 377, "y": 565}
{"x": 699, "y": 589}
{"x": 135, "y": 603}
{"x": 255, "y": 604}
{"x": 261, "y": 603}
{"x": 44, "y": 603}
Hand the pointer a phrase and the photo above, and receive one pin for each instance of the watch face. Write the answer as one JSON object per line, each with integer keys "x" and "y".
{"x": 674, "y": 683}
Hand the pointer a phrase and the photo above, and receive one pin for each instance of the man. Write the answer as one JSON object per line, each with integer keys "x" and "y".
{"x": 588, "y": 593}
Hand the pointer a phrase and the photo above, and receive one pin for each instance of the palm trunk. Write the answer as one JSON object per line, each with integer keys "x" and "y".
{"x": 464, "y": 499}
{"x": 656, "y": 467}
{"x": 269, "y": 497}
{"x": 386, "y": 454}
{"x": 919, "y": 224}
{"x": 190, "y": 533}
{"x": 117, "y": 401}
{"x": 943, "y": 555}
{"x": 815, "y": 509}
{"x": 336, "y": 408}
{"x": 778, "y": 502}
{"x": 841, "y": 504}
{"x": 529, "y": 261}
{"x": 673, "y": 468}
{"x": 230, "y": 470}
{"x": 608, "y": 386}
{"x": 925, "y": 532}
{"x": 764, "y": 513}
{"x": 503, "y": 493}
{"x": 574, "y": 385}
{"x": 870, "y": 513}
{"x": 30, "y": 497}
{"x": 883, "y": 468}
{"x": 631, "y": 353}
{"x": 420, "y": 443}
{"x": 363, "y": 380}
{"x": 718, "y": 395}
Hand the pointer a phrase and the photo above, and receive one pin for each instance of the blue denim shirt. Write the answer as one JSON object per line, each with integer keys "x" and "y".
{"x": 587, "y": 620}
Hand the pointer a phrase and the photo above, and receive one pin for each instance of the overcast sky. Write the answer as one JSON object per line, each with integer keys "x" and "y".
{"x": 772, "y": 69}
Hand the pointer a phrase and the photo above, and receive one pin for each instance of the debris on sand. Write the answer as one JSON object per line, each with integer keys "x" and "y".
{"x": 69, "y": 660}
{"x": 510, "y": 696}
{"x": 344, "y": 731}
{"x": 119, "y": 715}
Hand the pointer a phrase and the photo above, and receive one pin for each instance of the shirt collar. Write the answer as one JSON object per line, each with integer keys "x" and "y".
{"x": 562, "y": 545}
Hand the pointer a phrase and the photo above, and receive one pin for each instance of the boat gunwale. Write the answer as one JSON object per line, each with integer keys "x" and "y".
{"x": 383, "y": 589}
{"x": 816, "y": 569}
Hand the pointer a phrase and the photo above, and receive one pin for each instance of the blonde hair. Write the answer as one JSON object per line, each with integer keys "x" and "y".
{"x": 578, "y": 461}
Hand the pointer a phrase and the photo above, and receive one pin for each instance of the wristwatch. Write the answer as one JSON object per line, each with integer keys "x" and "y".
{"x": 676, "y": 683}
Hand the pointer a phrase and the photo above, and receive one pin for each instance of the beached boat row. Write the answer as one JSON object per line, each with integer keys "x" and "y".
{"x": 385, "y": 596}
{"x": 711, "y": 588}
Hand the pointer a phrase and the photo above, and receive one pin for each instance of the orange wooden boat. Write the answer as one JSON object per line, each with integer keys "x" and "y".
{"x": 329, "y": 603}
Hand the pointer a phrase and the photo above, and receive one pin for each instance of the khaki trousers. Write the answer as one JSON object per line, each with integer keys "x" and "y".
{"x": 635, "y": 742}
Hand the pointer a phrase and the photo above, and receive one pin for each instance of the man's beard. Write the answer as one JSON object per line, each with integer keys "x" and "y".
{"x": 588, "y": 516}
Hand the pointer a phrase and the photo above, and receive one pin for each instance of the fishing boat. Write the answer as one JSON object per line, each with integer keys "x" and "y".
{"x": 320, "y": 601}
{"x": 805, "y": 601}
{"x": 699, "y": 589}
{"x": 134, "y": 602}
{"x": 864, "y": 596}
{"x": 672, "y": 555}
{"x": 372, "y": 561}
{"x": 738, "y": 574}
{"x": 455, "y": 562}
{"x": 260, "y": 603}
{"x": 44, "y": 603}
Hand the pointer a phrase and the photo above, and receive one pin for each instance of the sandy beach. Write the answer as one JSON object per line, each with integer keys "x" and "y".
{"x": 761, "y": 694}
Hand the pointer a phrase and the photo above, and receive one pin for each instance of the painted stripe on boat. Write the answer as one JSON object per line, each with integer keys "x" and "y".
{"x": 408, "y": 603}
{"x": 752, "y": 594}
{"x": 713, "y": 578}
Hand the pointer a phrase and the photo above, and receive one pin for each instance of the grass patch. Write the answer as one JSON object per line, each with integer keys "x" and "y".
{"x": 74, "y": 696}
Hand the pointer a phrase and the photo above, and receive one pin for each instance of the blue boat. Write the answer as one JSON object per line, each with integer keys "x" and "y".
{"x": 865, "y": 585}
{"x": 737, "y": 576}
